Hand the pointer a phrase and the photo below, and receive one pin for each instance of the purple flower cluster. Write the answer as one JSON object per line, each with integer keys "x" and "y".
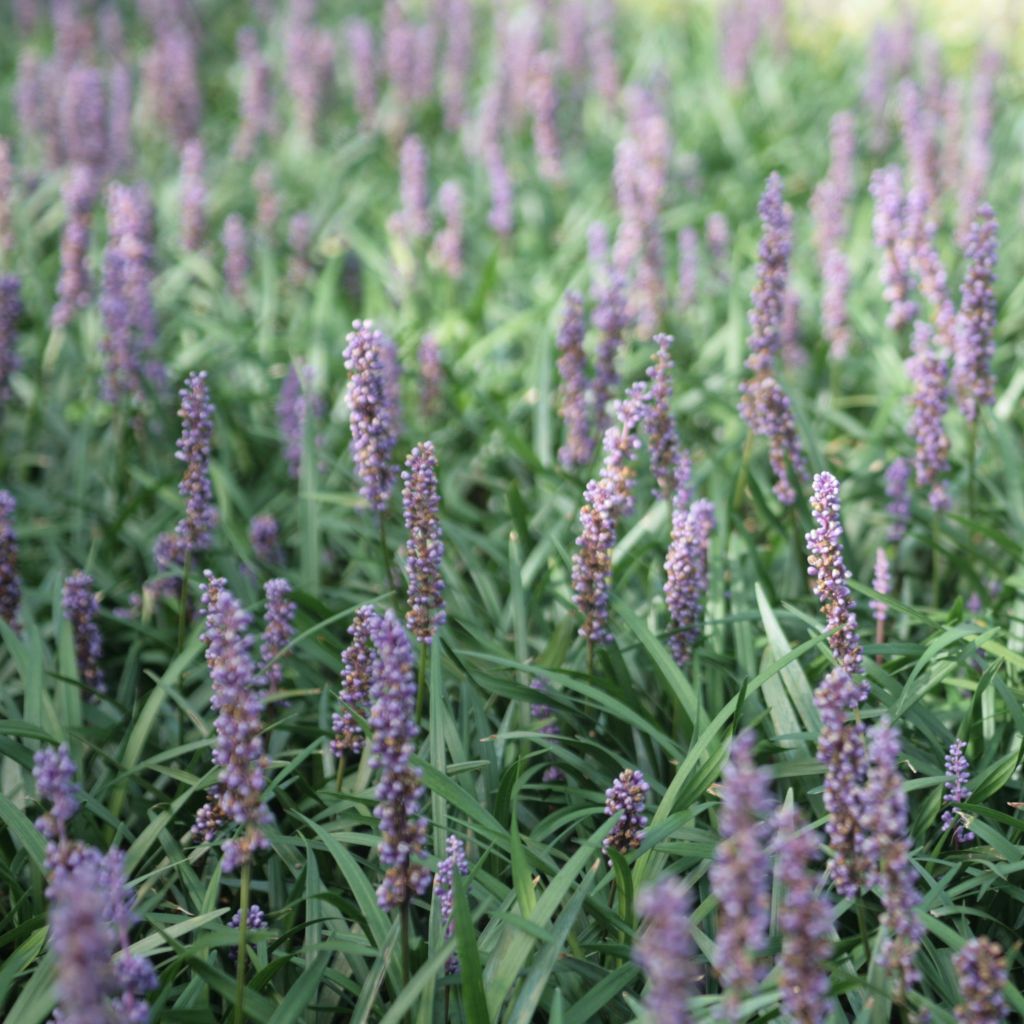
{"x": 973, "y": 347}
{"x": 544, "y": 716}
{"x": 573, "y": 390}
{"x": 887, "y": 848}
{"x": 805, "y": 920}
{"x": 611, "y": 319}
{"x": 278, "y": 631}
{"x": 74, "y": 285}
{"x": 444, "y": 889}
{"x": 928, "y": 368}
{"x": 54, "y": 775}
{"x": 193, "y": 196}
{"x": 10, "y": 581}
{"x": 686, "y": 574}
{"x": 81, "y": 607}
{"x": 981, "y": 971}
{"x": 193, "y": 533}
{"x": 358, "y": 668}
{"x": 627, "y": 794}
{"x": 501, "y": 216}
{"x": 171, "y": 75}
{"x": 255, "y": 918}
{"x": 919, "y": 141}
{"x": 265, "y": 538}
{"x": 399, "y": 790}
{"x": 298, "y": 401}
{"x": 827, "y": 568}
{"x": 889, "y": 225}
{"x": 425, "y": 546}
{"x": 665, "y": 951}
{"x": 362, "y": 65}
{"x": 235, "y": 239}
{"x": 897, "y": 480}
{"x": 372, "y": 398}
{"x": 662, "y": 435}
{"x": 542, "y": 96}
{"x": 237, "y": 796}
{"x": 882, "y": 582}
{"x": 741, "y": 872}
{"x": 309, "y": 67}
{"x": 256, "y": 102}
{"x": 413, "y": 222}
{"x": 958, "y": 775}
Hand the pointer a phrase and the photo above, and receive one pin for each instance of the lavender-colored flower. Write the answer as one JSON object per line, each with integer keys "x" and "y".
{"x": 399, "y": 791}
{"x": 841, "y": 749}
{"x": 431, "y": 375}
{"x": 194, "y": 532}
{"x": 171, "y": 73}
{"x": 665, "y": 950}
{"x": 193, "y": 195}
{"x": 611, "y": 320}
{"x": 981, "y": 971}
{"x": 741, "y": 871}
{"x": 919, "y": 141}
{"x": 805, "y": 920}
{"x": 501, "y": 217}
{"x": 10, "y": 581}
{"x": 973, "y": 348}
{"x": 458, "y": 63}
{"x": 827, "y": 568}
{"x": 235, "y": 239}
{"x": 897, "y": 480}
{"x": 119, "y": 115}
{"x": 444, "y": 889}
{"x": 958, "y": 775}
{"x": 425, "y": 546}
{"x": 977, "y": 158}
{"x": 663, "y": 437}
{"x": 358, "y": 662}
{"x": 73, "y": 285}
{"x": 573, "y": 390}
{"x": 309, "y": 68}
{"x": 832, "y": 196}
{"x": 621, "y": 443}
{"x": 770, "y": 415}
{"x": 836, "y": 288}
{"x": 929, "y": 370}
{"x": 601, "y": 55}
{"x": 543, "y": 100}
{"x": 688, "y": 250}
{"x": 887, "y": 850}
{"x": 256, "y": 101}
{"x": 362, "y": 67}
{"x": 265, "y": 538}
{"x": 298, "y": 401}
{"x": 10, "y": 313}
{"x": 719, "y": 240}
{"x": 83, "y": 118}
{"x": 54, "y": 775}
{"x": 882, "y": 582}
{"x": 686, "y": 574}
{"x": 790, "y": 334}
{"x": 924, "y": 260}
{"x": 413, "y": 222}
{"x": 81, "y": 607}
{"x": 545, "y": 716}
{"x": 237, "y": 796}
{"x": 278, "y": 631}
{"x": 446, "y": 249}
{"x": 372, "y": 365}
{"x": 255, "y": 919}
{"x": 627, "y": 794}
{"x": 889, "y": 223}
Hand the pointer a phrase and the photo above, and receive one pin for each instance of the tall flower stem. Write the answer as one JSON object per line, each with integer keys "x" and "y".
{"x": 183, "y": 601}
{"x": 243, "y": 920}
{"x": 972, "y": 455}
{"x": 422, "y": 688}
{"x": 384, "y": 560}
{"x": 406, "y": 945}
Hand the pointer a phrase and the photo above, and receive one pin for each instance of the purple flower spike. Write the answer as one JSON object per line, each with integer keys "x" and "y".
{"x": 628, "y": 794}
{"x": 297, "y": 402}
{"x": 663, "y": 437}
{"x": 81, "y": 607}
{"x": 413, "y": 222}
{"x": 10, "y": 581}
{"x": 256, "y": 102}
{"x": 769, "y": 414}
{"x": 193, "y": 196}
{"x": 772, "y": 277}
{"x": 741, "y": 872}
{"x": 543, "y": 99}
{"x": 425, "y": 546}
{"x": 74, "y": 285}
{"x": 501, "y": 217}
{"x": 194, "y": 533}
{"x": 981, "y": 971}
{"x": 665, "y": 951}
{"x": 403, "y": 831}
{"x": 882, "y": 582}
{"x": 929, "y": 370}
{"x": 688, "y": 249}
{"x": 235, "y": 239}
{"x": 372, "y": 366}
{"x": 237, "y": 796}
{"x": 887, "y": 849}
{"x": 686, "y": 574}
{"x": 446, "y": 250}
{"x": 278, "y": 631}
{"x": 973, "y": 348}
{"x": 171, "y": 74}
{"x": 578, "y": 448}
{"x": 444, "y": 889}
{"x": 358, "y": 662}
{"x": 958, "y": 775}
{"x": 828, "y": 572}
{"x": 889, "y": 224}
{"x": 54, "y": 775}
{"x": 363, "y": 68}
{"x": 805, "y": 920}
{"x": 265, "y": 538}
{"x": 897, "y": 480}
{"x": 255, "y": 918}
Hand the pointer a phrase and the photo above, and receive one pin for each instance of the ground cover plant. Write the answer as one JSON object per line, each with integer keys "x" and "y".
{"x": 508, "y": 512}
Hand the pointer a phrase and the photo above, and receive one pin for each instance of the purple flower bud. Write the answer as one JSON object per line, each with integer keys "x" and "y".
{"x": 264, "y": 536}
{"x": 81, "y": 607}
{"x": 446, "y": 250}
{"x": 805, "y": 920}
{"x": 834, "y": 316}
{"x": 425, "y": 546}
{"x": 10, "y": 582}
{"x": 897, "y": 479}
{"x": 54, "y": 775}
{"x": 686, "y": 574}
{"x": 627, "y": 794}
{"x": 237, "y": 796}
{"x": 235, "y": 239}
{"x": 889, "y": 224}
{"x": 958, "y": 775}
{"x": 399, "y": 789}
{"x": 256, "y": 101}
{"x": 578, "y": 448}
{"x": 973, "y": 347}
{"x": 278, "y": 631}
{"x": 444, "y": 889}
{"x": 255, "y": 919}
{"x": 358, "y": 668}
{"x": 663, "y": 437}
{"x": 665, "y": 950}
{"x": 741, "y": 872}
{"x": 887, "y": 849}
{"x": 10, "y": 313}
{"x": 371, "y": 362}
{"x": 193, "y": 196}
{"x": 981, "y": 971}
{"x": 827, "y": 568}
{"x": 767, "y": 410}
{"x": 929, "y": 370}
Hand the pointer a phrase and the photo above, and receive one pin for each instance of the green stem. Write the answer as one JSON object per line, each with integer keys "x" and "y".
{"x": 972, "y": 453}
{"x": 385, "y": 560}
{"x": 421, "y": 689}
{"x": 340, "y": 775}
{"x": 183, "y": 601}
{"x": 741, "y": 477}
{"x": 863, "y": 925}
{"x": 406, "y": 946}
{"x": 935, "y": 561}
{"x": 243, "y": 921}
